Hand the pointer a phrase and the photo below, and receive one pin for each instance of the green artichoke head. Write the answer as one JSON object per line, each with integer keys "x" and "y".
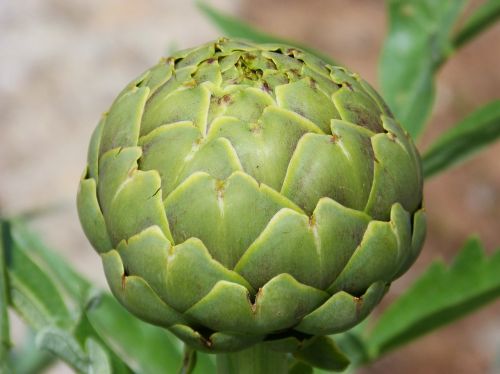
{"x": 240, "y": 193}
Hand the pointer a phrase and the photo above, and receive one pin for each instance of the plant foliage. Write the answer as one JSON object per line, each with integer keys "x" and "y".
{"x": 72, "y": 320}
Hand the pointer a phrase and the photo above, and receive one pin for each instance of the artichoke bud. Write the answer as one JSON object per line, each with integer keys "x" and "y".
{"x": 240, "y": 193}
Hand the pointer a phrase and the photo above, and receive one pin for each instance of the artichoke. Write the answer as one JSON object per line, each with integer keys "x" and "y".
{"x": 240, "y": 193}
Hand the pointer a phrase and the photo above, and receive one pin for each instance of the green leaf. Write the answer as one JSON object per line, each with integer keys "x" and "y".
{"x": 37, "y": 277}
{"x": 353, "y": 345}
{"x": 473, "y": 133}
{"x": 99, "y": 361}
{"x": 236, "y": 28}
{"x": 323, "y": 353}
{"x": 5, "y": 343}
{"x": 84, "y": 332}
{"x": 441, "y": 295}
{"x": 122, "y": 331}
{"x": 34, "y": 294}
{"x": 487, "y": 14}
{"x": 27, "y": 358}
{"x": 73, "y": 283}
{"x": 109, "y": 324}
{"x": 417, "y": 43}
{"x": 64, "y": 346}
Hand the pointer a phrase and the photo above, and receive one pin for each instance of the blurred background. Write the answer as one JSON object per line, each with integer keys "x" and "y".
{"x": 63, "y": 62}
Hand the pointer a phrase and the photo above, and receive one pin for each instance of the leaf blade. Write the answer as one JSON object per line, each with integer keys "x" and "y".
{"x": 121, "y": 331}
{"x": 417, "y": 43}
{"x": 441, "y": 295}
{"x": 481, "y": 19}
{"x": 470, "y": 135}
{"x": 73, "y": 283}
{"x": 34, "y": 289}
{"x": 64, "y": 346}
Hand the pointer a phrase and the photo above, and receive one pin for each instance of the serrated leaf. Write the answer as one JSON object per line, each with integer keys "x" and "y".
{"x": 441, "y": 295}
{"x": 473, "y": 133}
{"x": 417, "y": 43}
{"x": 162, "y": 349}
{"x": 37, "y": 276}
{"x": 84, "y": 332}
{"x": 236, "y": 28}
{"x": 27, "y": 358}
{"x": 483, "y": 17}
{"x": 64, "y": 346}
{"x": 72, "y": 282}
{"x": 122, "y": 331}
{"x": 34, "y": 294}
{"x": 93, "y": 360}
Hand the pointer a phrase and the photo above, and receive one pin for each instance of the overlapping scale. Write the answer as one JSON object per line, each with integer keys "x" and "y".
{"x": 193, "y": 56}
{"x": 215, "y": 342}
{"x": 274, "y": 136}
{"x": 91, "y": 217}
{"x": 395, "y": 179}
{"x": 251, "y": 193}
{"x": 187, "y": 103}
{"x": 123, "y": 120}
{"x": 417, "y": 241}
{"x": 115, "y": 167}
{"x": 178, "y": 150}
{"x": 286, "y": 245}
{"x": 322, "y": 166}
{"x": 166, "y": 148}
{"x": 234, "y": 212}
{"x": 205, "y": 274}
{"x": 338, "y": 230}
{"x": 375, "y": 259}
{"x": 304, "y": 98}
{"x": 358, "y": 107}
{"x": 141, "y": 195}
{"x": 145, "y": 255}
{"x": 247, "y": 104}
{"x": 93, "y": 151}
{"x": 137, "y": 295}
{"x": 280, "y": 303}
{"x": 342, "y": 311}
{"x": 157, "y": 76}
{"x": 209, "y": 71}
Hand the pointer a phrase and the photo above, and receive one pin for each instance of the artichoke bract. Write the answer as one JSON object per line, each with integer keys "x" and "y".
{"x": 240, "y": 193}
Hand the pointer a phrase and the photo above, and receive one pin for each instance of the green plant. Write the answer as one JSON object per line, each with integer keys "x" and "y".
{"x": 85, "y": 327}
{"x": 244, "y": 194}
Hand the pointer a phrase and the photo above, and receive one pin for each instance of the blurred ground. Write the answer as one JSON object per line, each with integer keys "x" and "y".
{"x": 64, "y": 61}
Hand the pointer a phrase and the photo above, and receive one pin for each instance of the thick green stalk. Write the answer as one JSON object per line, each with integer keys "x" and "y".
{"x": 255, "y": 360}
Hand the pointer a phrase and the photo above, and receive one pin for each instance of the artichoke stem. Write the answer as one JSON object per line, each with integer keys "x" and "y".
{"x": 258, "y": 359}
